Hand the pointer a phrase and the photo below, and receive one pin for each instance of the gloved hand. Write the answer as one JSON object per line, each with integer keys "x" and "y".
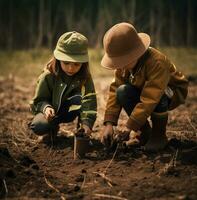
{"x": 107, "y": 136}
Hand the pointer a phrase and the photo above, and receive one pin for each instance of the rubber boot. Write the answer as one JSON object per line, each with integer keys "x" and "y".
{"x": 50, "y": 138}
{"x": 146, "y": 132}
{"x": 158, "y": 139}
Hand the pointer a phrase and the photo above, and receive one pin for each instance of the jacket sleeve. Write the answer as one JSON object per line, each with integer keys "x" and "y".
{"x": 89, "y": 103}
{"x": 113, "y": 109}
{"x": 43, "y": 94}
{"x": 157, "y": 79}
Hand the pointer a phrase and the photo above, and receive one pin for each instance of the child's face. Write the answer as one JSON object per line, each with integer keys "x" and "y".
{"x": 70, "y": 68}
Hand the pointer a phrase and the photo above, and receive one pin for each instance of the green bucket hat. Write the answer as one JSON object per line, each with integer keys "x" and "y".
{"x": 72, "y": 47}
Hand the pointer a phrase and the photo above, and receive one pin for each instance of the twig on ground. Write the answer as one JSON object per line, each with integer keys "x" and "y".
{"x": 110, "y": 196}
{"x": 189, "y": 120}
{"x": 16, "y": 145}
{"x": 175, "y": 158}
{"x": 5, "y": 185}
{"x": 108, "y": 180}
{"x": 105, "y": 171}
{"x": 55, "y": 189}
{"x": 103, "y": 174}
{"x": 179, "y": 131}
{"x": 169, "y": 168}
{"x": 1, "y": 144}
{"x": 84, "y": 179}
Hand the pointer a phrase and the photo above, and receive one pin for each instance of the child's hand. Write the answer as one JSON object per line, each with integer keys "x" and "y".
{"x": 49, "y": 113}
{"x": 134, "y": 139}
{"x": 87, "y": 129}
{"x": 123, "y": 135}
{"x": 107, "y": 136}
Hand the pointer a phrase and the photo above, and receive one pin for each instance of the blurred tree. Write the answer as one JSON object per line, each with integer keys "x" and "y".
{"x": 10, "y": 25}
{"x": 39, "y": 23}
{"x": 189, "y": 23}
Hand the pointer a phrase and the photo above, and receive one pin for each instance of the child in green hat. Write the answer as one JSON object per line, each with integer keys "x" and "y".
{"x": 146, "y": 84}
{"x": 65, "y": 90}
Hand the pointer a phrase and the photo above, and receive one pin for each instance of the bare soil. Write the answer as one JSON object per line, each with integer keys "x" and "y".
{"x": 33, "y": 170}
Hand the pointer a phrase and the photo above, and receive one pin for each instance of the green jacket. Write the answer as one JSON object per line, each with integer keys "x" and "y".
{"x": 153, "y": 74}
{"x": 52, "y": 90}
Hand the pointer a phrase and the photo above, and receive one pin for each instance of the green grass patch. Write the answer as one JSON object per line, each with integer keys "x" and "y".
{"x": 95, "y": 64}
{"x": 29, "y": 64}
{"x": 25, "y": 64}
{"x": 185, "y": 59}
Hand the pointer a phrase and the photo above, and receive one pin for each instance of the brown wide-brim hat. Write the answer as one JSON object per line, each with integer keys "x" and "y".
{"x": 123, "y": 46}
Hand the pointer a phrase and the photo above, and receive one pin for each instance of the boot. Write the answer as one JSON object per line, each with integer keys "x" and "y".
{"x": 158, "y": 139}
{"x": 145, "y": 133}
{"x": 50, "y": 137}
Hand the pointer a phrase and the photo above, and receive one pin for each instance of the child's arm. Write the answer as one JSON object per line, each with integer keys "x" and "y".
{"x": 43, "y": 94}
{"x": 112, "y": 108}
{"x": 158, "y": 76}
{"x": 89, "y": 104}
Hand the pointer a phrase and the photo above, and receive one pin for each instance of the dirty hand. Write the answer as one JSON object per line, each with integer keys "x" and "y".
{"x": 87, "y": 129}
{"x": 49, "y": 113}
{"x": 123, "y": 135}
{"x": 107, "y": 136}
{"x": 134, "y": 139}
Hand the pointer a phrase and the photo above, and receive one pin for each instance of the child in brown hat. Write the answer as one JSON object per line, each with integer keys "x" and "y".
{"x": 146, "y": 84}
{"x": 65, "y": 89}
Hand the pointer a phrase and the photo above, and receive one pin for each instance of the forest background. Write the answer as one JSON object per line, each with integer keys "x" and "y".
{"x": 29, "y": 29}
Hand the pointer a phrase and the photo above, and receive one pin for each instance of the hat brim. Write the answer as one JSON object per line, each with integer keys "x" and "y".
{"x": 121, "y": 61}
{"x": 70, "y": 58}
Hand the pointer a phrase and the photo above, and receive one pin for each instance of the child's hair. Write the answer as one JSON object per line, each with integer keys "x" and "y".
{"x": 53, "y": 64}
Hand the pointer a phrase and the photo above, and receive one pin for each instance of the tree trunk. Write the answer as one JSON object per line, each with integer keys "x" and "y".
{"x": 189, "y": 23}
{"x": 152, "y": 24}
{"x": 160, "y": 23}
{"x": 10, "y": 26}
{"x": 31, "y": 29}
{"x": 49, "y": 29}
{"x": 133, "y": 9}
{"x": 172, "y": 26}
{"x": 40, "y": 24}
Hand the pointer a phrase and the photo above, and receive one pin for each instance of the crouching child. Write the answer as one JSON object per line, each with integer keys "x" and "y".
{"x": 65, "y": 90}
{"x": 146, "y": 84}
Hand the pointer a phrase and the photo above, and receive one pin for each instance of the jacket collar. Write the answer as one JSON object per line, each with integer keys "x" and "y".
{"x": 141, "y": 61}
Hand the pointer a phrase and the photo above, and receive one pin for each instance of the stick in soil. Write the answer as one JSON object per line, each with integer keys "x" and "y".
{"x": 55, "y": 189}
{"x": 109, "y": 196}
{"x": 189, "y": 120}
{"x": 103, "y": 174}
{"x": 105, "y": 171}
{"x": 5, "y": 185}
{"x": 108, "y": 180}
{"x": 84, "y": 179}
{"x": 169, "y": 167}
